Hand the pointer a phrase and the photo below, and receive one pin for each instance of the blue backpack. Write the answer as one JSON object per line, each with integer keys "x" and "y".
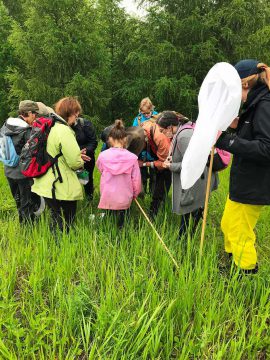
{"x": 8, "y": 154}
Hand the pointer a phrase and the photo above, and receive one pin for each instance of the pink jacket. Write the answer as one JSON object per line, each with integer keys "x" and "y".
{"x": 120, "y": 178}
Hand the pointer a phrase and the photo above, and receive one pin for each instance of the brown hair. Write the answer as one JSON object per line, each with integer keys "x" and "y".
{"x": 118, "y": 132}
{"x": 170, "y": 118}
{"x": 67, "y": 106}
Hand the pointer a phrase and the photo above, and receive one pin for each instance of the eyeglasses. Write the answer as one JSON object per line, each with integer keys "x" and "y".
{"x": 145, "y": 112}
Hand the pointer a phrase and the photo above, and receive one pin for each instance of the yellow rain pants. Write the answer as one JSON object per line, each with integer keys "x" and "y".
{"x": 238, "y": 223}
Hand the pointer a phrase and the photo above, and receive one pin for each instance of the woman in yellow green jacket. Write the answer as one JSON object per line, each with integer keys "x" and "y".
{"x": 62, "y": 139}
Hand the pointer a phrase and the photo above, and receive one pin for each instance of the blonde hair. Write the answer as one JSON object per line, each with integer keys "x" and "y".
{"x": 147, "y": 103}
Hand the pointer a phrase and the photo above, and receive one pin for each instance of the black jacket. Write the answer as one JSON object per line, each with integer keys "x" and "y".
{"x": 86, "y": 136}
{"x": 250, "y": 170}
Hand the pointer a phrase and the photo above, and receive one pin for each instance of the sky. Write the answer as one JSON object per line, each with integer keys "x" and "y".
{"x": 132, "y": 7}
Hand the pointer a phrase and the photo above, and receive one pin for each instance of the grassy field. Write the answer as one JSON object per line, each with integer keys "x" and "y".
{"x": 105, "y": 294}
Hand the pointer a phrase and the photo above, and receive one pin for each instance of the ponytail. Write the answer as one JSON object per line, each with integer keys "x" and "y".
{"x": 118, "y": 132}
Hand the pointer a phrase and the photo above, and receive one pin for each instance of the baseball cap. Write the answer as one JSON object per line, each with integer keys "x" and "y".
{"x": 28, "y": 105}
{"x": 44, "y": 109}
{"x": 247, "y": 67}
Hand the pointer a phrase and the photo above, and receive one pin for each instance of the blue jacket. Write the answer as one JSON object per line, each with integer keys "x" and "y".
{"x": 142, "y": 118}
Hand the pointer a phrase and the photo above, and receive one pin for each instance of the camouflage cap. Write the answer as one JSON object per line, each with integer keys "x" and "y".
{"x": 44, "y": 109}
{"x": 28, "y": 105}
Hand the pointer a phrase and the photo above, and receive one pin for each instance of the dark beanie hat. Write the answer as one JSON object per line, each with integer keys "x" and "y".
{"x": 246, "y": 68}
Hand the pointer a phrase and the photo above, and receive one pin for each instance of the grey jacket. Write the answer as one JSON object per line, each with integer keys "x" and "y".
{"x": 186, "y": 201}
{"x": 19, "y": 131}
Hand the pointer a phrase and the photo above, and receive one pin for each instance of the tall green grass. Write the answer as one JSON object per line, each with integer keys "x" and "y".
{"x": 109, "y": 294}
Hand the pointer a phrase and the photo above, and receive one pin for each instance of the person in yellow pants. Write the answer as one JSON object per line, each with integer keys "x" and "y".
{"x": 238, "y": 223}
{"x": 248, "y": 139}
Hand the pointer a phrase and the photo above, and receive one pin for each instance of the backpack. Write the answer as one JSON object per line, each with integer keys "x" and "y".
{"x": 35, "y": 161}
{"x": 8, "y": 154}
{"x": 221, "y": 157}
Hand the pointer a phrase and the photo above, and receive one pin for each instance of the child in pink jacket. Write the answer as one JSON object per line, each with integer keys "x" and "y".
{"x": 120, "y": 174}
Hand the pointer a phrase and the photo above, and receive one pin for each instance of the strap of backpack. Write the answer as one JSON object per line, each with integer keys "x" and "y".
{"x": 59, "y": 178}
{"x": 152, "y": 131}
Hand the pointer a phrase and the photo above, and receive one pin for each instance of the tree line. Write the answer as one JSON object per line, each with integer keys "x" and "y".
{"x": 95, "y": 50}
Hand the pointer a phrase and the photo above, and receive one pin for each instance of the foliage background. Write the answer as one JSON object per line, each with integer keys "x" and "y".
{"x": 94, "y": 50}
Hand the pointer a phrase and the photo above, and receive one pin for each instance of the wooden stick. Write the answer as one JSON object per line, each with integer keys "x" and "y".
{"x": 159, "y": 237}
{"x": 207, "y": 199}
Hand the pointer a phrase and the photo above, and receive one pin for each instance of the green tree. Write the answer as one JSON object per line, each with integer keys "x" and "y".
{"x": 60, "y": 53}
{"x": 6, "y": 60}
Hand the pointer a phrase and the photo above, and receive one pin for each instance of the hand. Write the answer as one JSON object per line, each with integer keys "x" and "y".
{"x": 140, "y": 163}
{"x": 234, "y": 123}
{"x": 158, "y": 164}
{"x": 166, "y": 164}
{"x": 84, "y": 156}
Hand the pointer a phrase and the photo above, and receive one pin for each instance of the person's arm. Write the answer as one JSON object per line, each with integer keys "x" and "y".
{"x": 91, "y": 138}
{"x": 70, "y": 148}
{"x": 258, "y": 149}
{"x": 136, "y": 180}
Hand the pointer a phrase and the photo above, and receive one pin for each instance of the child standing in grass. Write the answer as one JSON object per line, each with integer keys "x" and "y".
{"x": 120, "y": 175}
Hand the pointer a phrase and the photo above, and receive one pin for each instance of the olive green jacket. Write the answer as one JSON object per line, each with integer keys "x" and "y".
{"x": 62, "y": 138}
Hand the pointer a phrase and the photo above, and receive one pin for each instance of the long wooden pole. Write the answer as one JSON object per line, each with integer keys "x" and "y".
{"x": 159, "y": 237}
{"x": 207, "y": 199}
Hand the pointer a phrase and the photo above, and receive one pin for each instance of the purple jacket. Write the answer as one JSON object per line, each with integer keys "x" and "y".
{"x": 120, "y": 178}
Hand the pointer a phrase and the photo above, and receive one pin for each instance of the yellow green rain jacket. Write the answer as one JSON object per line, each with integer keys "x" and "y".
{"x": 62, "y": 139}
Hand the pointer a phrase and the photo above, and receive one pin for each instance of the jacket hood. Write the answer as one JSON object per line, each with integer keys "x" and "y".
{"x": 14, "y": 126}
{"x": 118, "y": 161}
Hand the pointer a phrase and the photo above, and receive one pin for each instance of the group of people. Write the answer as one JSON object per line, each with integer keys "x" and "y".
{"x": 125, "y": 175}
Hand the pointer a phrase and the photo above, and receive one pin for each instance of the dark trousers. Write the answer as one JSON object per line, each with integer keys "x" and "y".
{"x": 24, "y": 198}
{"x": 62, "y": 213}
{"x": 119, "y": 216}
{"x": 89, "y": 187}
{"x": 189, "y": 222}
{"x": 148, "y": 179}
{"x": 161, "y": 189}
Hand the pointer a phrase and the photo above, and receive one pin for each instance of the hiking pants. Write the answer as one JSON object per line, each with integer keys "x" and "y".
{"x": 62, "y": 213}
{"x": 189, "y": 222}
{"x": 148, "y": 179}
{"x": 21, "y": 192}
{"x": 161, "y": 189}
{"x": 89, "y": 187}
{"x": 237, "y": 224}
{"x": 119, "y": 216}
